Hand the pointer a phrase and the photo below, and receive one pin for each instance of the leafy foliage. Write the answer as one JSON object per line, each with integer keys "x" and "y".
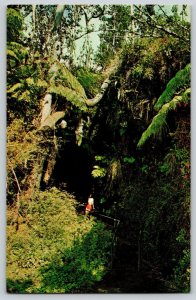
{"x": 14, "y": 24}
{"x": 181, "y": 80}
{"x": 60, "y": 73}
{"x": 17, "y": 51}
{"x": 98, "y": 172}
{"x": 159, "y": 121}
{"x": 182, "y": 270}
{"x": 113, "y": 27}
{"x": 56, "y": 250}
{"x": 51, "y": 249}
{"x": 89, "y": 80}
{"x": 70, "y": 95}
{"x": 176, "y": 162}
{"x": 129, "y": 160}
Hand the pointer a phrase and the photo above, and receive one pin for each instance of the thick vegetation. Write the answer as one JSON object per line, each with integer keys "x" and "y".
{"x": 115, "y": 122}
{"x": 53, "y": 250}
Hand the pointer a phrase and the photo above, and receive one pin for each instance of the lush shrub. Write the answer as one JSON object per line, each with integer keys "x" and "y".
{"x": 182, "y": 269}
{"x": 54, "y": 250}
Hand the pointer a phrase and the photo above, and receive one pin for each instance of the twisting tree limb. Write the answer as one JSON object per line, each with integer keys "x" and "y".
{"x": 99, "y": 96}
{"x": 110, "y": 71}
{"x": 85, "y": 33}
{"x": 51, "y": 120}
{"x": 93, "y": 14}
{"x": 160, "y": 7}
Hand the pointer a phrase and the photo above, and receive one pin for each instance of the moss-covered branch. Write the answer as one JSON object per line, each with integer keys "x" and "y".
{"x": 160, "y": 120}
{"x": 181, "y": 79}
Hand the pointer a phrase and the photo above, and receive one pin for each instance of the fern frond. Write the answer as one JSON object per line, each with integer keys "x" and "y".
{"x": 12, "y": 54}
{"x": 159, "y": 121}
{"x": 181, "y": 79}
{"x": 53, "y": 119}
{"x": 41, "y": 83}
{"x": 15, "y": 87}
{"x": 15, "y": 45}
{"x": 25, "y": 96}
{"x": 13, "y": 13}
{"x": 30, "y": 81}
{"x": 18, "y": 47}
{"x": 70, "y": 95}
{"x": 37, "y": 83}
{"x": 17, "y": 50}
{"x": 98, "y": 172}
{"x": 61, "y": 73}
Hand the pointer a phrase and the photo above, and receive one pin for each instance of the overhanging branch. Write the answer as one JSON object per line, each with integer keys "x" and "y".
{"x": 99, "y": 96}
{"x": 159, "y": 27}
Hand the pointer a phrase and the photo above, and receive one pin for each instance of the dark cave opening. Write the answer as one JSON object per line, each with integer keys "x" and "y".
{"x": 73, "y": 170}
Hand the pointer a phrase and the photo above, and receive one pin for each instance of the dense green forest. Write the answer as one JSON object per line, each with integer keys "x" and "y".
{"x": 98, "y": 102}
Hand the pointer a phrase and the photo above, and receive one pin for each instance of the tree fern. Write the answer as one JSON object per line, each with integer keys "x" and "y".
{"x": 159, "y": 121}
{"x": 181, "y": 79}
{"x": 59, "y": 72}
{"x": 70, "y": 95}
{"x": 61, "y": 82}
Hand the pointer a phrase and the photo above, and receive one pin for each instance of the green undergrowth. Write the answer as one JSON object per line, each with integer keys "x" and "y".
{"x": 54, "y": 250}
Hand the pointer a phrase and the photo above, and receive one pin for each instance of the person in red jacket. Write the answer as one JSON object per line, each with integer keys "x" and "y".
{"x": 90, "y": 206}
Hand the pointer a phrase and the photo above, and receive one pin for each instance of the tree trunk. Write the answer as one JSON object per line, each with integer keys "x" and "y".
{"x": 51, "y": 160}
{"x": 46, "y": 107}
{"x": 79, "y": 132}
{"x": 36, "y": 175}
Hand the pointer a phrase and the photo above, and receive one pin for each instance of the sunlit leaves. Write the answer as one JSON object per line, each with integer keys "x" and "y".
{"x": 57, "y": 250}
{"x": 15, "y": 87}
{"x": 98, "y": 171}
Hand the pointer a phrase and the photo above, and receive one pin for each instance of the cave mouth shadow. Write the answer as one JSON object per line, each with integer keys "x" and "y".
{"x": 73, "y": 171}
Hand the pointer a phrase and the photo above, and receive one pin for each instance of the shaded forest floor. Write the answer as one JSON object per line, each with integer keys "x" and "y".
{"x": 126, "y": 279}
